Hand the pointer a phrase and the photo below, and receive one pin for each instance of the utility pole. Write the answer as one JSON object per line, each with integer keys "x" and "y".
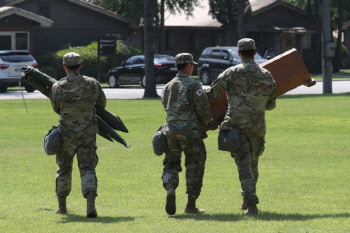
{"x": 327, "y": 48}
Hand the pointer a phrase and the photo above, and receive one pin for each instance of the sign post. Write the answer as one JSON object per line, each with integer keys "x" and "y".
{"x": 106, "y": 46}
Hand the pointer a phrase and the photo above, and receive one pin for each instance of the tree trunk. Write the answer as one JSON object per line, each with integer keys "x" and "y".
{"x": 309, "y": 8}
{"x": 161, "y": 29}
{"x": 150, "y": 87}
{"x": 240, "y": 19}
{"x": 326, "y": 60}
{"x": 337, "y": 65}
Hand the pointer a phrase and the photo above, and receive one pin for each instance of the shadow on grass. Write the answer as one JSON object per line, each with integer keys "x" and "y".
{"x": 210, "y": 217}
{"x": 264, "y": 216}
{"x": 311, "y": 95}
{"x": 69, "y": 218}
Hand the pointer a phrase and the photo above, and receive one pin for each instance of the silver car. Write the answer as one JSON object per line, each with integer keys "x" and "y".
{"x": 11, "y": 63}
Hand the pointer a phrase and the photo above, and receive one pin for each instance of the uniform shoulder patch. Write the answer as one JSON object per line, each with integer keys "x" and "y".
{"x": 199, "y": 92}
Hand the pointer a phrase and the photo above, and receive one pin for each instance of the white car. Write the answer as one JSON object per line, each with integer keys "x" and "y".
{"x": 11, "y": 63}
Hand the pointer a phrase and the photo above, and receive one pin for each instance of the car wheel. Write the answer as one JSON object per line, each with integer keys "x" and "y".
{"x": 143, "y": 81}
{"x": 113, "y": 81}
{"x": 3, "y": 89}
{"x": 205, "y": 77}
{"x": 29, "y": 89}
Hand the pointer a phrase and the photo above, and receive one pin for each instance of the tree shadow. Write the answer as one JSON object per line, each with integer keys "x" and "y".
{"x": 69, "y": 218}
{"x": 263, "y": 215}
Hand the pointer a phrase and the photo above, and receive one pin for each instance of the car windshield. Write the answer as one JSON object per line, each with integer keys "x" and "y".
{"x": 234, "y": 53}
{"x": 17, "y": 57}
{"x": 163, "y": 58}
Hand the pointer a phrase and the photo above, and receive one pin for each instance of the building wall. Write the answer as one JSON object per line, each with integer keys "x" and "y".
{"x": 73, "y": 24}
{"x": 260, "y": 28}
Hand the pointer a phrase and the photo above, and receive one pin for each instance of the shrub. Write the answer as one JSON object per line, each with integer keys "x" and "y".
{"x": 89, "y": 55}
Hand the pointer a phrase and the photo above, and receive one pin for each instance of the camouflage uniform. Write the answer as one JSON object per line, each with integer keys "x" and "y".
{"x": 74, "y": 98}
{"x": 186, "y": 106}
{"x": 251, "y": 90}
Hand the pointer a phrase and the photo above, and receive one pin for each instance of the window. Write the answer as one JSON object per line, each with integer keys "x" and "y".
{"x": 5, "y": 42}
{"x": 22, "y": 41}
{"x": 14, "y": 41}
{"x": 215, "y": 54}
{"x": 225, "y": 55}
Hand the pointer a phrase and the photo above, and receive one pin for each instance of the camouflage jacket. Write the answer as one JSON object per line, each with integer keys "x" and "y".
{"x": 251, "y": 90}
{"x": 186, "y": 106}
{"x": 74, "y": 98}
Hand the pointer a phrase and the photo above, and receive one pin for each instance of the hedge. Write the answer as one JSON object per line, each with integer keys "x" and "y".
{"x": 51, "y": 63}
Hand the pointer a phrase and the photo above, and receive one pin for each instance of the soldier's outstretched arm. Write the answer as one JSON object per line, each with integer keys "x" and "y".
{"x": 218, "y": 86}
{"x": 101, "y": 100}
{"x": 202, "y": 106}
{"x": 55, "y": 106}
{"x": 271, "y": 103}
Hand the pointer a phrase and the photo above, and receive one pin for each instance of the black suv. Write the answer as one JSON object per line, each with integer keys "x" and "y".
{"x": 215, "y": 60}
{"x": 132, "y": 71}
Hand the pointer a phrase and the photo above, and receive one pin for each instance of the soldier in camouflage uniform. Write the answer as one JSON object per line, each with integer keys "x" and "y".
{"x": 186, "y": 106}
{"x": 251, "y": 90}
{"x": 74, "y": 98}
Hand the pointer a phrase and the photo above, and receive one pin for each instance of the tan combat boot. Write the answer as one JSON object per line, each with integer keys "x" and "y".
{"x": 251, "y": 210}
{"x": 191, "y": 207}
{"x": 170, "y": 206}
{"x": 91, "y": 210}
{"x": 62, "y": 206}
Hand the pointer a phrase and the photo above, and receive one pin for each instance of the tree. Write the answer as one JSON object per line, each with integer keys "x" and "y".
{"x": 150, "y": 87}
{"x": 340, "y": 12}
{"x": 231, "y": 14}
{"x": 174, "y": 6}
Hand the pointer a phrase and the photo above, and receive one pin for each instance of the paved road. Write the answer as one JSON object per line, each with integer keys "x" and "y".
{"x": 137, "y": 93}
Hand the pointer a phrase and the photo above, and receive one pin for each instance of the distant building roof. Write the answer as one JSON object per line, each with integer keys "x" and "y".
{"x": 86, "y": 5}
{"x": 10, "y": 10}
{"x": 202, "y": 18}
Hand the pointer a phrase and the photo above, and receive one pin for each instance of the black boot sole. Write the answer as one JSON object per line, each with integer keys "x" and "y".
{"x": 170, "y": 206}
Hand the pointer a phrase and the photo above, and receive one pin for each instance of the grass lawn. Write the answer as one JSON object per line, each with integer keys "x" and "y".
{"x": 303, "y": 184}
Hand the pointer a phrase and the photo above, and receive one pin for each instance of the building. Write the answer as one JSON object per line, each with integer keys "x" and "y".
{"x": 275, "y": 25}
{"x": 47, "y": 25}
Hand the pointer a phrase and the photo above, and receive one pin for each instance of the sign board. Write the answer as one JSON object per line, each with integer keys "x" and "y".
{"x": 106, "y": 46}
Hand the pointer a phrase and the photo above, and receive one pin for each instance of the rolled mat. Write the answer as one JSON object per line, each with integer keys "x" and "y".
{"x": 107, "y": 122}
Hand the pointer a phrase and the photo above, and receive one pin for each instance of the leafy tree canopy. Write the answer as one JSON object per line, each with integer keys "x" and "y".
{"x": 226, "y": 11}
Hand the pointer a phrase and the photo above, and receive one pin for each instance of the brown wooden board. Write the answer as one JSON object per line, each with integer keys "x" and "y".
{"x": 288, "y": 70}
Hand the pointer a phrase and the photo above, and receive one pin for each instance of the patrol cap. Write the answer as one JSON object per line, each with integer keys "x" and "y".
{"x": 246, "y": 44}
{"x": 72, "y": 59}
{"x": 183, "y": 58}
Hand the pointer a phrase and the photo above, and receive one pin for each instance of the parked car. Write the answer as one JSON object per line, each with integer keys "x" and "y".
{"x": 11, "y": 63}
{"x": 215, "y": 60}
{"x": 270, "y": 53}
{"x": 132, "y": 71}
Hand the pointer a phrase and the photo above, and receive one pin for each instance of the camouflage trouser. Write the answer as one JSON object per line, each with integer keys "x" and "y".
{"x": 195, "y": 156}
{"x": 85, "y": 148}
{"x": 247, "y": 158}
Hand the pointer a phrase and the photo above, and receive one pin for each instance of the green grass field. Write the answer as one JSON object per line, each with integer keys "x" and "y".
{"x": 303, "y": 184}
